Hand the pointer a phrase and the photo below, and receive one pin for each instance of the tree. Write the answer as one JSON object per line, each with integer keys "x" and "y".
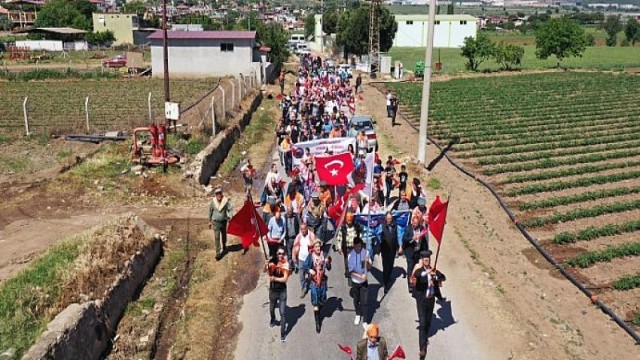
{"x": 100, "y": 38}
{"x": 135, "y": 7}
{"x": 330, "y": 20}
{"x": 508, "y": 56}
{"x": 62, "y": 13}
{"x": 612, "y": 25}
{"x": 5, "y": 24}
{"x": 560, "y": 37}
{"x": 248, "y": 22}
{"x": 274, "y": 36}
{"x": 477, "y": 50}
{"x": 310, "y": 26}
{"x": 632, "y": 31}
{"x": 353, "y": 30}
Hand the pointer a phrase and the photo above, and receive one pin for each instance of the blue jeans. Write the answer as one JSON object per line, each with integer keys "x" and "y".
{"x": 318, "y": 294}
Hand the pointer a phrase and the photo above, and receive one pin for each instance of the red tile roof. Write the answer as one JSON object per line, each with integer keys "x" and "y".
{"x": 204, "y": 35}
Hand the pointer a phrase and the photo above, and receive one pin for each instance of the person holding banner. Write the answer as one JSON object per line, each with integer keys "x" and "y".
{"x": 428, "y": 280}
{"x": 350, "y": 230}
{"x": 414, "y": 241}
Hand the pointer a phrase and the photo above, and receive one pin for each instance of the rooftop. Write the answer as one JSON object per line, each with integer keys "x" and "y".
{"x": 424, "y": 17}
{"x": 54, "y": 30}
{"x": 204, "y": 35}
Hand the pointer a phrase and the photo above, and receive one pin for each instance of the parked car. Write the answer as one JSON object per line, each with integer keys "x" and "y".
{"x": 302, "y": 48}
{"x": 116, "y": 62}
{"x": 364, "y": 123}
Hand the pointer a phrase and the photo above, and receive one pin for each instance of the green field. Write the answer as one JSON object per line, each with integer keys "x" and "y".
{"x": 563, "y": 149}
{"x": 597, "y": 57}
{"x": 114, "y": 104}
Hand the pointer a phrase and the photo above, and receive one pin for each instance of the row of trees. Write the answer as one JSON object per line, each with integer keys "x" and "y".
{"x": 613, "y": 25}
{"x": 481, "y": 49}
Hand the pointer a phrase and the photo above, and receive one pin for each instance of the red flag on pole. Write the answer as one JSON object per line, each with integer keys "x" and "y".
{"x": 398, "y": 353}
{"x": 437, "y": 218}
{"x": 334, "y": 169}
{"x": 335, "y": 211}
{"x": 347, "y": 349}
{"x": 248, "y": 225}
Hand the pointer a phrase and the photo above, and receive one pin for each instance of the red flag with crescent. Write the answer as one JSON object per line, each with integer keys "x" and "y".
{"x": 334, "y": 169}
{"x": 248, "y": 225}
{"x": 437, "y": 218}
{"x": 398, "y": 353}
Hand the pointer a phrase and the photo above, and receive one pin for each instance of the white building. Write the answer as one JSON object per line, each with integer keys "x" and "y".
{"x": 208, "y": 54}
{"x": 450, "y": 30}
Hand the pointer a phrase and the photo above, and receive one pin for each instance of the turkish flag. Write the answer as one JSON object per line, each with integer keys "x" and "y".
{"x": 247, "y": 225}
{"x": 398, "y": 353}
{"x": 347, "y": 349}
{"x": 437, "y": 218}
{"x": 334, "y": 169}
{"x": 335, "y": 211}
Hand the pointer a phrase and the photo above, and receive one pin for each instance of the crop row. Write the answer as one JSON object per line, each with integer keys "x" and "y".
{"x": 630, "y": 122}
{"x": 587, "y": 169}
{"x": 627, "y": 282}
{"x": 520, "y": 157}
{"x": 526, "y": 127}
{"x": 593, "y": 232}
{"x": 583, "y": 213}
{"x": 550, "y": 163}
{"x": 589, "y": 258}
{"x": 563, "y": 185}
{"x": 545, "y": 139}
{"x": 578, "y": 198}
{"x": 461, "y": 153}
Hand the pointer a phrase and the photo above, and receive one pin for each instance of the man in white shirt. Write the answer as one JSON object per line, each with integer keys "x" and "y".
{"x": 389, "y": 96}
{"x": 359, "y": 264}
{"x": 301, "y": 247}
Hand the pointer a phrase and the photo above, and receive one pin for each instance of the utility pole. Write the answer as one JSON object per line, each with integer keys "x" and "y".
{"x": 374, "y": 38}
{"x": 165, "y": 58}
{"x": 426, "y": 86}
{"x": 321, "y": 25}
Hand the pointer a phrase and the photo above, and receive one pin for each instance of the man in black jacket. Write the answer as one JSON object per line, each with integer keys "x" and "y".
{"x": 388, "y": 248}
{"x": 428, "y": 280}
{"x": 415, "y": 240}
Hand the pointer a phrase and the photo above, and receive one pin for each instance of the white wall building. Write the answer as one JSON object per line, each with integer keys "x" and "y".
{"x": 207, "y": 54}
{"x": 450, "y": 30}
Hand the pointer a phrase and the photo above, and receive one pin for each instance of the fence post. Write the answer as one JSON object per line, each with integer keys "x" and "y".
{"x": 224, "y": 106}
{"x": 149, "y": 104}
{"x": 239, "y": 90}
{"x": 241, "y": 84}
{"x": 26, "y": 115}
{"x": 233, "y": 95}
{"x": 213, "y": 116}
{"x": 86, "y": 111}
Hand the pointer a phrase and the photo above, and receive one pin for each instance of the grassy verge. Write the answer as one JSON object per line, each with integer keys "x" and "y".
{"x": 26, "y": 300}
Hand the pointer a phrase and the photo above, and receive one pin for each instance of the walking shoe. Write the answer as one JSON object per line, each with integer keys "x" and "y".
{"x": 272, "y": 325}
{"x": 365, "y": 325}
{"x": 218, "y": 257}
{"x": 283, "y": 338}
{"x": 356, "y": 321}
{"x": 303, "y": 294}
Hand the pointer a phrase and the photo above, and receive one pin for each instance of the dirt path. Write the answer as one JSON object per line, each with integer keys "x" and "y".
{"x": 528, "y": 308}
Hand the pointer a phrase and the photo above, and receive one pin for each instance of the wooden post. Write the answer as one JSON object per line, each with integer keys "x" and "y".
{"x": 26, "y": 115}
{"x": 233, "y": 95}
{"x": 86, "y": 111}
{"x": 213, "y": 116}
{"x": 149, "y": 105}
{"x": 224, "y": 110}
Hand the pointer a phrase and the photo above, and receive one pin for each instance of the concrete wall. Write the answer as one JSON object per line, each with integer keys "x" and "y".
{"x": 448, "y": 33}
{"x": 48, "y": 45}
{"x": 203, "y": 58}
{"x": 120, "y": 24}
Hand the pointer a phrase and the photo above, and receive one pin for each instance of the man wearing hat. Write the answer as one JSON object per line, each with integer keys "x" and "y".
{"x": 373, "y": 346}
{"x": 428, "y": 280}
{"x": 219, "y": 214}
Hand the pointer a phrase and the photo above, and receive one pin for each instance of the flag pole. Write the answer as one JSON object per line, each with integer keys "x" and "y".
{"x": 435, "y": 263}
{"x": 255, "y": 218}
{"x": 342, "y": 216}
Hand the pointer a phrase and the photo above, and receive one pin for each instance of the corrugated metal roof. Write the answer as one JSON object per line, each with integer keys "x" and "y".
{"x": 204, "y": 35}
{"x": 423, "y": 17}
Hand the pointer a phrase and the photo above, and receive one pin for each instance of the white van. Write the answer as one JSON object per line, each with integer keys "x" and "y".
{"x": 302, "y": 48}
{"x": 296, "y": 38}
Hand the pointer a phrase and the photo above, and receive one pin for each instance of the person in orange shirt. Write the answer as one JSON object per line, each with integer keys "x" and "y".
{"x": 325, "y": 195}
{"x": 294, "y": 200}
{"x": 285, "y": 147}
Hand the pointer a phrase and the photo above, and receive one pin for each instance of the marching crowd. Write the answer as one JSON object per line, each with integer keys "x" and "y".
{"x": 307, "y": 218}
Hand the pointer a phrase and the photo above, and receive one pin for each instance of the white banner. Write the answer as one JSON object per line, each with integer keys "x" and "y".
{"x": 321, "y": 146}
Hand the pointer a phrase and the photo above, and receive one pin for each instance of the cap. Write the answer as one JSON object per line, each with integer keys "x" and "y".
{"x": 422, "y": 201}
{"x": 315, "y": 195}
{"x": 425, "y": 253}
{"x": 217, "y": 190}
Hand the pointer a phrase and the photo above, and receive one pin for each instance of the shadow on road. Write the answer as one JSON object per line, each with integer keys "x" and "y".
{"x": 443, "y": 318}
{"x": 333, "y": 303}
{"x": 293, "y": 315}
